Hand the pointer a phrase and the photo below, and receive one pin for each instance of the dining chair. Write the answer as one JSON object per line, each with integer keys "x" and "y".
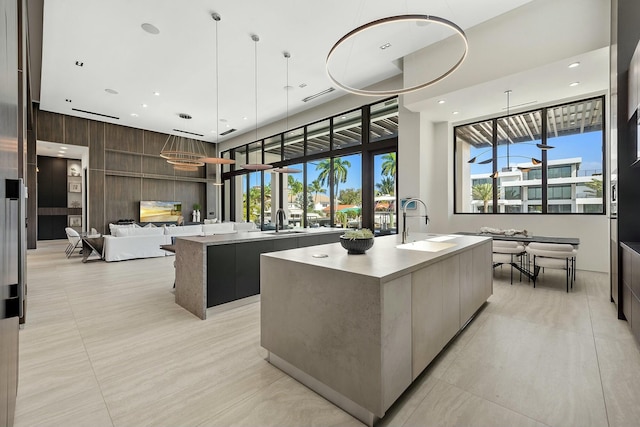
{"x": 74, "y": 241}
{"x": 508, "y": 252}
{"x": 553, "y": 255}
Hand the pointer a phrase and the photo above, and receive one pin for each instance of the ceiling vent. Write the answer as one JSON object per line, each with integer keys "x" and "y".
{"x": 189, "y": 133}
{"x": 95, "y": 114}
{"x": 227, "y": 132}
{"x": 324, "y": 92}
{"x": 185, "y": 116}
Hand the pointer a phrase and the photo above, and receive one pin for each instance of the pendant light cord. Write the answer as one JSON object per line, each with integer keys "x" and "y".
{"x": 256, "y": 39}
{"x": 287, "y": 55}
{"x": 508, "y": 92}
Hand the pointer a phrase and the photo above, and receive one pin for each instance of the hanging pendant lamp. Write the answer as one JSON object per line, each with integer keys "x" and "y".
{"x": 217, "y": 160}
{"x": 181, "y": 151}
{"x": 287, "y": 169}
{"x": 256, "y": 166}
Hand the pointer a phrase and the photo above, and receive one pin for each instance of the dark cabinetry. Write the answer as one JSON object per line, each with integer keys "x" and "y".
{"x": 233, "y": 270}
{"x": 630, "y": 267}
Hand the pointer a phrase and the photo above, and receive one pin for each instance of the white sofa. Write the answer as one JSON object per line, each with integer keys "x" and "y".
{"x": 132, "y": 241}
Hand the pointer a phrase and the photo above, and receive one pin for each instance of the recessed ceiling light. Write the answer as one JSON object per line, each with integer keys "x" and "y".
{"x": 343, "y": 117}
{"x": 134, "y": 115}
{"x": 455, "y": 112}
{"x": 61, "y": 152}
{"x": 150, "y": 28}
{"x": 228, "y": 126}
{"x": 68, "y": 100}
{"x": 111, "y": 91}
{"x": 574, "y": 64}
{"x": 63, "y": 148}
{"x": 442, "y": 101}
{"x": 245, "y": 118}
{"x": 574, "y": 84}
{"x": 156, "y": 93}
{"x": 80, "y": 63}
{"x": 144, "y": 105}
{"x": 60, "y": 155}
{"x": 385, "y": 46}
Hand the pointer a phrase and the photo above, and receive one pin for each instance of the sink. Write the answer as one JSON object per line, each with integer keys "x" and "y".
{"x": 426, "y": 246}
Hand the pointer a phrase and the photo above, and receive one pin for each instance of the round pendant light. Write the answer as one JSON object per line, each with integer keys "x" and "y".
{"x": 419, "y": 19}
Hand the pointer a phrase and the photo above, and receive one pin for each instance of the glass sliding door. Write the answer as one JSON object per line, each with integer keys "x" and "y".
{"x": 385, "y": 189}
{"x": 347, "y": 188}
{"x": 319, "y": 208}
{"x": 293, "y": 196}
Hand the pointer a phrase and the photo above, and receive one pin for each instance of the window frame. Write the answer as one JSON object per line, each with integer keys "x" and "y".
{"x": 494, "y": 205}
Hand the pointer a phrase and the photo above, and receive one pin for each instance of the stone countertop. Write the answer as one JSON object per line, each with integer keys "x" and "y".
{"x": 384, "y": 261}
{"x": 257, "y": 235}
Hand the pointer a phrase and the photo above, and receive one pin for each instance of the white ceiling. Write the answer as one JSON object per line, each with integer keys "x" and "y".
{"x": 179, "y": 62}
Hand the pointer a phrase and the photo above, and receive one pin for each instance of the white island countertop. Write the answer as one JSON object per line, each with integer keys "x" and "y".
{"x": 388, "y": 259}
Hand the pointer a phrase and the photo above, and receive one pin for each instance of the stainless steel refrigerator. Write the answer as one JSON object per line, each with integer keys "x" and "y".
{"x": 12, "y": 213}
{"x": 12, "y": 255}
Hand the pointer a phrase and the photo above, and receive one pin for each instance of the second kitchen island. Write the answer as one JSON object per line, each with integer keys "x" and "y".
{"x": 224, "y": 268}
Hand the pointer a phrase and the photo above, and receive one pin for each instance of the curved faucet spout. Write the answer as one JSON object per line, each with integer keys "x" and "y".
{"x": 280, "y": 218}
{"x": 405, "y": 231}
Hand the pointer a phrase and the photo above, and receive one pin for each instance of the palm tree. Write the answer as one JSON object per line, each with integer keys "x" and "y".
{"x": 315, "y": 187}
{"x": 594, "y": 187}
{"x": 294, "y": 186}
{"x": 483, "y": 192}
{"x": 387, "y": 186}
{"x": 340, "y": 171}
{"x": 389, "y": 164}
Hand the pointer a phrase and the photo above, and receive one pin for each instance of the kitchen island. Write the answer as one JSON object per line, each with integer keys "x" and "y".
{"x": 358, "y": 329}
{"x": 224, "y": 269}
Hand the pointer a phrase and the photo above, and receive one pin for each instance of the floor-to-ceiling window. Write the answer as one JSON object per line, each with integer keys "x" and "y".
{"x": 323, "y": 172}
{"x": 347, "y": 186}
{"x": 385, "y": 190}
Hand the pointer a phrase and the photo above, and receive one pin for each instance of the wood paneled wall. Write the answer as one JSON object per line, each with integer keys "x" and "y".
{"x": 124, "y": 167}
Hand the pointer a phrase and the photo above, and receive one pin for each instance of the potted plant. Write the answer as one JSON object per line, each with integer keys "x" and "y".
{"x": 357, "y": 242}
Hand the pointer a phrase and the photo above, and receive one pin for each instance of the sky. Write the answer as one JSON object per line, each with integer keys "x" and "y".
{"x": 588, "y": 146}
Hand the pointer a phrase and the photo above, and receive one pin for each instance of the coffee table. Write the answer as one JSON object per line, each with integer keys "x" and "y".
{"x": 91, "y": 244}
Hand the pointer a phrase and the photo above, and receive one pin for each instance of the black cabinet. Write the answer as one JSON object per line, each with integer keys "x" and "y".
{"x": 233, "y": 270}
{"x": 221, "y": 274}
{"x": 630, "y": 287}
{"x": 248, "y": 266}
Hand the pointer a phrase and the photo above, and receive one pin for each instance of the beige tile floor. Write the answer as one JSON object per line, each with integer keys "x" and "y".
{"x": 105, "y": 345}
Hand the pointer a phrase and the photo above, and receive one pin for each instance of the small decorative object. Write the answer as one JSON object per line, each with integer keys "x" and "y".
{"x": 196, "y": 212}
{"x": 75, "y": 221}
{"x": 500, "y": 232}
{"x": 76, "y": 204}
{"x": 75, "y": 187}
{"x": 356, "y": 242}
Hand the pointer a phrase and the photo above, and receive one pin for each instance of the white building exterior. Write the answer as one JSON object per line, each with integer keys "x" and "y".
{"x": 520, "y": 188}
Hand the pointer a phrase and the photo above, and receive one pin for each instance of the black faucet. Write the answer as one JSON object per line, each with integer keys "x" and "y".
{"x": 405, "y": 231}
{"x": 280, "y": 220}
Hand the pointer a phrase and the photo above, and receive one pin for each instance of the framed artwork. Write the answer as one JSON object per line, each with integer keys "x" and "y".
{"x": 75, "y": 187}
{"x": 75, "y": 221}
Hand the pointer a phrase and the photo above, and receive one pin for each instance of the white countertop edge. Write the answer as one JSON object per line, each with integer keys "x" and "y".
{"x": 376, "y": 262}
